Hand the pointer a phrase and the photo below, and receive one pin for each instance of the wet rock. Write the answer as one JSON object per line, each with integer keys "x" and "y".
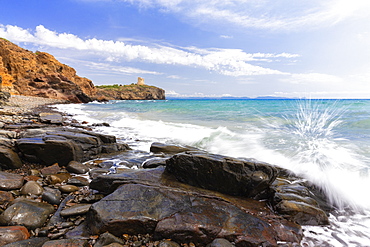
{"x": 52, "y": 196}
{"x": 77, "y": 167}
{"x": 295, "y": 202}
{"x": 220, "y": 173}
{"x": 32, "y": 242}
{"x": 158, "y": 147}
{"x": 58, "y": 178}
{"x": 78, "y": 181}
{"x": 78, "y": 209}
{"x": 153, "y": 163}
{"x": 10, "y": 234}
{"x": 220, "y": 242}
{"x": 168, "y": 243}
{"x": 9, "y": 159}
{"x": 32, "y": 188}
{"x": 49, "y": 150}
{"x": 51, "y": 118}
{"x": 94, "y": 173}
{"x": 68, "y": 188}
{"x": 182, "y": 216}
{"x": 5, "y": 197}
{"x": 67, "y": 242}
{"x": 106, "y": 239}
{"x": 23, "y": 212}
{"x": 302, "y": 213}
{"x": 10, "y": 181}
{"x": 50, "y": 170}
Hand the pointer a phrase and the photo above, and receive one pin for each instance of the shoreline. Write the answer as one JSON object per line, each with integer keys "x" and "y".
{"x": 21, "y": 108}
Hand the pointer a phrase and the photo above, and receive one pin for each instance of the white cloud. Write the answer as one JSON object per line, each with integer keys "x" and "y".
{"x": 310, "y": 78}
{"x": 231, "y": 62}
{"x": 267, "y": 14}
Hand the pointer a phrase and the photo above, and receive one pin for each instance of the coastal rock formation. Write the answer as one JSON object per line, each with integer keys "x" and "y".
{"x": 40, "y": 74}
{"x": 129, "y": 92}
{"x": 153, "y": 201}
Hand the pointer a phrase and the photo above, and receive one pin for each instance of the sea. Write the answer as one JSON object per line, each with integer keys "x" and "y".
{"x": 325, "y": 141}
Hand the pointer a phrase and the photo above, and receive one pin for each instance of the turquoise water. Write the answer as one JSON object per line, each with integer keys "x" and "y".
{"x": 325, "y": 141}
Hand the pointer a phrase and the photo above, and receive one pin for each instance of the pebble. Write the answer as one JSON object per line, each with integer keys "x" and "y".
{"x": 50, "y": 170}
{"x": 32, "y": 188}
{"x": 52, "y": 196}
{"x": 68, "y": 188}
{"x": 77, "y": 167}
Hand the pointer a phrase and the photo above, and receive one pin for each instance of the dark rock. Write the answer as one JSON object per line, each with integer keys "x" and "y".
{"x": 67, "y": 242}
{"x": 78, "y": 181}
{"x": 57, "y": 218}
{"x": 302, "y": 213}
{"x": 49, "y": 151}
{"x": 50, "y": 170}
{"x": 10, "y": 181}
{"x": 94, "y": 173}
{"x": 32, "y": 242}
{"x": 77, "y": 167}
{"x": 106, "y": 239}
{"x": 78, "y": 209}
{"x": 51, "y": 118}
{"x": 23, "y": 212}
{"x": 184, "y": 216}
{"x": 32, "y": 188}
{"x": 10, "y": 234}
{"x": 168, "y": 243}
{"x": 154, "y": 162}
{"x": 158, "y": 147}
{"x": 220, "y": 173}
{"x": 5, "y": 197}
{"x": 106, "y": 164}
{"x": 9, "y": 159}
{"x": 52, "y": 196}
{"x": 220, "y": 242}
{"x": 101, "y": 124}
{"x": 295, "y": 202}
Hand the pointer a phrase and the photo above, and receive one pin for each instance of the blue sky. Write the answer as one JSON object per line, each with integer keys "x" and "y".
{"x": 289, "y": 48}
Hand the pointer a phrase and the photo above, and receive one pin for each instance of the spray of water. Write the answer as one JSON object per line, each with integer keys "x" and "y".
{"x": 321, "y": 155}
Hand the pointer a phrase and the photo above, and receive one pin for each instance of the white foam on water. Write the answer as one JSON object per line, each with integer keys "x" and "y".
{"x": 306, "y": 143}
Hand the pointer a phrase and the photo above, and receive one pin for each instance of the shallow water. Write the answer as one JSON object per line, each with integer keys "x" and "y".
{"x": 325, "y": 141}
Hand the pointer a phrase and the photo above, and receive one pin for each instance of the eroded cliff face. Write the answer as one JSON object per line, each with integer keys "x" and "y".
{"x": 129, "y": 92}
{"x": 27, "y": 73}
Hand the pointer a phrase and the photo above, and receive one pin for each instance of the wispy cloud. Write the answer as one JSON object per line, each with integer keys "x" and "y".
{"x": 231, "y": 62}
{"x": 267, "y": 14}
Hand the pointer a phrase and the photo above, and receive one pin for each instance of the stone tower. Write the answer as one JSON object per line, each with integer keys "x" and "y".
{"x": 140, "y": 81}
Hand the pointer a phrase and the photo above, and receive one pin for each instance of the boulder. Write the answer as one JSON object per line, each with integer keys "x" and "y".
{"x": 23, "y": 212}
{"x": 158, "y": 147}
{"x": 9, "y": 181}
{"x": 220, "y": 173}
{"x": 49, "y": 150}
{"x": 9, "y": 159}
{"x": 10, "y": 234}
{"x": 153, "y": 201}
{"x": 65, "y": 145}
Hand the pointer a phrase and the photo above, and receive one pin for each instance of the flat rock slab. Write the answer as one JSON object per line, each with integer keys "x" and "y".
{"x": 153, "y": 201}
{"x": 28, "y": 213}
{"x": 51, "y": 118}
{"x": 10, "y": 181}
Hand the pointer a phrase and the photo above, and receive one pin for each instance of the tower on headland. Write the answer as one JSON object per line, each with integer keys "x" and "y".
{"x": 140, "y": 81}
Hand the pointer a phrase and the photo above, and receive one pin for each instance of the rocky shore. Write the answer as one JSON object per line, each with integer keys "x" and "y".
{"x": 60, "y": 187}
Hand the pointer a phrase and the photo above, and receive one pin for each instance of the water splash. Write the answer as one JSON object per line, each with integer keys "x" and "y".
{"x": 317, "y": 152}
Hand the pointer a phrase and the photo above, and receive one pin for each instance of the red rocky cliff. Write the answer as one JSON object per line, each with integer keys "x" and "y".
{"x": 40, "y": 74}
